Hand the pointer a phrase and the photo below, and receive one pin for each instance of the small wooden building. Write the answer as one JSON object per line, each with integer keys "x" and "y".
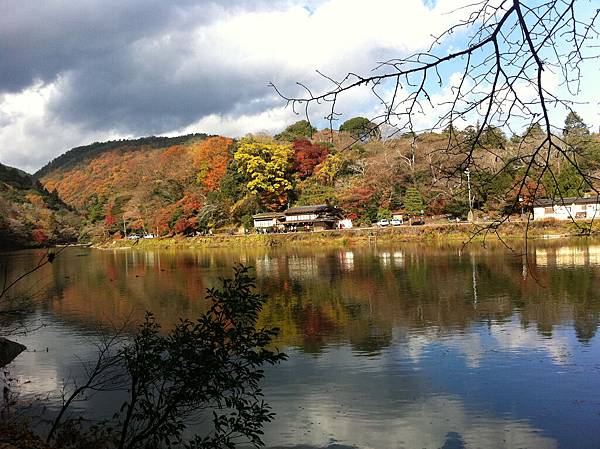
{"x": 315, "y": 218}
{"x": 269, "y": 221}
{"x": 398, "y": 215}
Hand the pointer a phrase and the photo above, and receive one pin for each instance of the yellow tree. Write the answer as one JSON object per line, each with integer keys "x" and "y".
{"x": 267, "y": 167}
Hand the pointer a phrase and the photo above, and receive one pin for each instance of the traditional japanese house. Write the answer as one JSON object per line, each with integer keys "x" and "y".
{"x": 316, "y": 218}
{"x": 571, "y": 208}
{"x": 269, "y": 221}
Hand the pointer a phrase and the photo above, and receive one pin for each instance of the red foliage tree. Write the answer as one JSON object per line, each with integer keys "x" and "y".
{"x": 180, "y": 226}
{"x": 354, "y": 200}
{"x": 109, "y": 220}
{"x": 307, "y": 156}
{"x": 39, "y": 236}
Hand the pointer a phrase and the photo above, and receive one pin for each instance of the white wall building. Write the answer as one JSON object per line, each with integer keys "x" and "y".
{"x": 572, "y": 208}
{"x": 268, "y": 220}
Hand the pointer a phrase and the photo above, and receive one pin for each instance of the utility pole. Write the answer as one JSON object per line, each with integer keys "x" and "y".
{"x": 470, "y": 216}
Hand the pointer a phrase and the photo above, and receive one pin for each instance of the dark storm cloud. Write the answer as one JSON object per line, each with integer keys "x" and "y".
{"x": 39, "y": 40}
{"x": 100, "y": 52}
{"x": 120, "y": 94}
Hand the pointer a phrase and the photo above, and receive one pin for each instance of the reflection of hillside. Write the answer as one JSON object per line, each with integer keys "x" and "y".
{"x": 323, "y": 297}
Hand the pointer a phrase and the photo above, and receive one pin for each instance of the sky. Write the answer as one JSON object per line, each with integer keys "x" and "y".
{"x": 96, "y": 70}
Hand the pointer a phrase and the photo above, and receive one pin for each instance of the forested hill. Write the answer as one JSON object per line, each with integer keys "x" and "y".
{"x": 196, "y": 183}
{"x": 86, "y": 152}
{"x": 16, "y": 178}
{"x": 144, "y": 183}
{"x": 29, "y": 214}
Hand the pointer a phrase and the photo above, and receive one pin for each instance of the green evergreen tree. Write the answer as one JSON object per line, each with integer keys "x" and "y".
{"x": 575, "y": 126}
{"x": 413, "y": 201}
{"x": 299, "y": 130}
{"x": 361, "y": 128}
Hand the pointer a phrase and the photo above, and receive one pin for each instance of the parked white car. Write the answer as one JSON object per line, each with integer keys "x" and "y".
{"x": 396, "y": 222}
{"x": 383, "y": 222}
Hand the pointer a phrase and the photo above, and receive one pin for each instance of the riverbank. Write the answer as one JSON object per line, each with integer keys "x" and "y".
{"x": 443, "y": 232}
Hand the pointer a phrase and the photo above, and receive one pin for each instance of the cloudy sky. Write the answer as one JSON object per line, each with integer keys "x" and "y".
{"x": 74, "y": 72}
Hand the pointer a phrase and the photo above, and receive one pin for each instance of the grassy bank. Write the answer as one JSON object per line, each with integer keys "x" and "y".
{"x": 457, "y": 232}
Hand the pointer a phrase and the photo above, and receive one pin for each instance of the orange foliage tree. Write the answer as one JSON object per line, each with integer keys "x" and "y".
{"x": 212, "y": 156}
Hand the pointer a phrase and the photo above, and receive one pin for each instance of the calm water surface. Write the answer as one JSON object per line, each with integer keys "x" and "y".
{"x": 390, "y": 347}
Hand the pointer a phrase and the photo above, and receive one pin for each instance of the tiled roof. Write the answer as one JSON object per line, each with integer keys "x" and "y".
{"x": 308, "y": 209}
{"x": 267, "y": 215}
{"x": 566, "y": 201}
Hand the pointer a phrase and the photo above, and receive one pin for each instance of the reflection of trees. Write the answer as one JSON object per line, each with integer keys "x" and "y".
{"x": 432, "y": 288}
{"x": 318, "y": 298}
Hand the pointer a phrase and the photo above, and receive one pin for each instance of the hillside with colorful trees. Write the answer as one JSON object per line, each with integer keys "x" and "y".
{"x": 200, "y": 184}
{"x": 30, "y": 215}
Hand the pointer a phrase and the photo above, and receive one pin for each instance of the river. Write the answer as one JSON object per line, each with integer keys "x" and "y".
{"x": 406, "y": 346}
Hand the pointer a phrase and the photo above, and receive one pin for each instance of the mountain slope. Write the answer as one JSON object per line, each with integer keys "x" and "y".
{"x": 29, "y": 214}
{"x": 146, "y": 185}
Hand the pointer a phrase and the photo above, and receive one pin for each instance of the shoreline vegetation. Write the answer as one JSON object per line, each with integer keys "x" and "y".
{"x": 451, "y": 232}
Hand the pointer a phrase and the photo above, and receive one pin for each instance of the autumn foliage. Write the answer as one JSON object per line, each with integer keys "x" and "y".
{"x": 197, "y": 183}
{"x": 212, "y": 156}
{"x": 307, "y": 156}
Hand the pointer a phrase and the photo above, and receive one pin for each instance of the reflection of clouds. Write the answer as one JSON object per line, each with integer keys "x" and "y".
{"x": 512, "y": 337}
{"x": 50, "y": 359}
{"x": 469, "y": 345}
{"x": 508, "y": 337}
{"x": 416, "y": 344}
{"x": 319, "y": 420}
{"x": 40, "y": 376}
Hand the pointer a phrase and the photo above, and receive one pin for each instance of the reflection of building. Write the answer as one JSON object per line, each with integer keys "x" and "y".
{"x": 398, "y": 259}
{"x": 573, "y": 208}
{"x": 568, "y": 256}
{"x": 302, "y": 267}
{"x": 346, "y": 260}
{"x": 266, "y": 266}
{"x": 385, "y": 258}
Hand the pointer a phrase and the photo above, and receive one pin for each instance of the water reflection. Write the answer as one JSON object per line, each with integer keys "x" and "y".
{"x": 570, "y": 256}
{"x": 409, "y": 346}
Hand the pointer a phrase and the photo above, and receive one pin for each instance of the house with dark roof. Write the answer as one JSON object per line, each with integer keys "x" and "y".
{"x": 269, "y": 221}
{"x": 314, "y": 218}
{"x": 567, "y": 208}
{"x": 301, "y": 218}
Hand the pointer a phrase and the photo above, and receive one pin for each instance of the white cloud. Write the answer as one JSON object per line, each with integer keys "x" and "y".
{"x": 270, "y": 121}
{"x": 208, "y": 72}
{"x": 30, "y": 137}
